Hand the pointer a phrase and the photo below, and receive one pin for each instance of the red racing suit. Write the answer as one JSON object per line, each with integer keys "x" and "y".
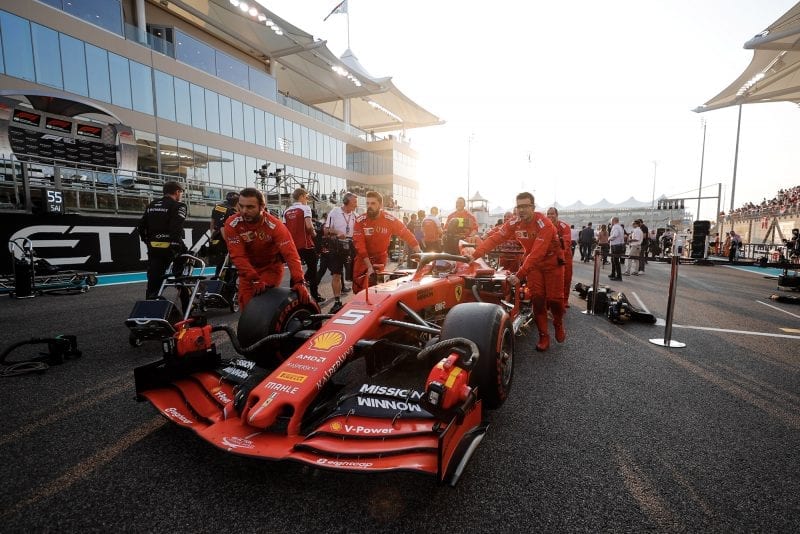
{"x": 259, "y": 250}
{"x": 565, "y": 235}
{"x": 371, "y": 240}
{"x": 542, "y": 266}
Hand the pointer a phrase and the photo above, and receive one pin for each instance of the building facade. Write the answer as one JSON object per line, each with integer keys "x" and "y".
{"x": 217, "y": 94}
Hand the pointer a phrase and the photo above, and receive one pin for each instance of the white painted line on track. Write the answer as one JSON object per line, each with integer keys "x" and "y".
{"x": 641, "y": 304}
{"x": 779, "y": 309}
{"x": 745, "y": 332}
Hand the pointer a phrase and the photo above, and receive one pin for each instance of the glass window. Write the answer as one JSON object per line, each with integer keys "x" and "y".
{"x": 232, "y": 70}
{"x": 304, "y": 141}
{"x": 326, "y": 150}
{"x": 269, "y": 125}
{"x": 186, "y": 156}
{"x": 165, "y": 96}
{"x": 194, "y": 53}
{"x": 280, "y": 139}
{"x": 104, "y": 13}
{"x": 201, "y": 164}
{"x": 312, "y": 144}
{"x": 214, "y": 165}
{"x": 120, "y": 80}
{"x": 97, "y": 73}
{"x": 168, "y": 152}
{"x": 183, "y": 108}
{"x": 146, "y": 144}
{"x": 228, "y": 172}
{"x": 198, "y": 95}
{"x": 297, "y": 139}
{"x": 241, "y": 170}
{"x": 73, "y": 65}
{"x": 261, "y": 134}
{"x": 142, "y": 87}
{"x": 212, "y": 112}
{"x": 237, "y": 119}
{"x": 249, "y": 124}
{"x": 225, "y": 127}
{"x": 16, "y": 36}
{"x": 46, "y": 56}
{"x": 263, "y": 84}
{"x": 250, "y": 164}
{"x": 2, "y": 65}
{"x": 320, "y": 145}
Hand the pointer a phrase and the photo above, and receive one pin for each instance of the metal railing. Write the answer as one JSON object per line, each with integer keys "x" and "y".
{"x": 93, "y": 188}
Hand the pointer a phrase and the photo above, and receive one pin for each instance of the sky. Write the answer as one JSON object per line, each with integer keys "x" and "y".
{"x": 573, "y": 100}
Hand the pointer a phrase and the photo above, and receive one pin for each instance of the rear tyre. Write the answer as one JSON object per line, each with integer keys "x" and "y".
{"x": 274, "y": 311}
{"x": 489, "y": 327}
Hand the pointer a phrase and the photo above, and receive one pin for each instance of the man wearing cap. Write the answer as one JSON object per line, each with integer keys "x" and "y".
{"x": 161, "y": 229}
{"x": 219, "y": 215}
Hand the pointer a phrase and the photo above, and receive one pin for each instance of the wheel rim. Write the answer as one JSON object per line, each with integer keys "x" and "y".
{"x": 505, "y": 359}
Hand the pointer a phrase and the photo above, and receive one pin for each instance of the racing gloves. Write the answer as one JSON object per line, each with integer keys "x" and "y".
{"x": 302, "y": 292}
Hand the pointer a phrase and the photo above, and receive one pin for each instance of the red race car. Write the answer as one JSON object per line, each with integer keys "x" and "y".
{"x": 398, "y": 379}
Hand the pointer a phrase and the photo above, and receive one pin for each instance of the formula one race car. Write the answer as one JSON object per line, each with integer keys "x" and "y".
{"x": 398, "y": 379}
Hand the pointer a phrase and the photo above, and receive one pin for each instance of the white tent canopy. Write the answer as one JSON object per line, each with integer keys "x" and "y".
{"x": 305, "y": 68}
{"x": 774, "y": 73}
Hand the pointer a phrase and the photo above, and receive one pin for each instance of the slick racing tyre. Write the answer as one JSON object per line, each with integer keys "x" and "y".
{"x": 274, "y": 311}
{"x": 489, "y": 327}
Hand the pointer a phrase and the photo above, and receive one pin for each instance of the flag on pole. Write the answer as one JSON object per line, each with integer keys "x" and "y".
{"x": 341, "y": 7}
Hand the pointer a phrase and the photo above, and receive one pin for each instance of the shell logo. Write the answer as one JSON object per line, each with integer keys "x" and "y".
{"x": 336, "y": 427}
{"x": 328, "y": 340}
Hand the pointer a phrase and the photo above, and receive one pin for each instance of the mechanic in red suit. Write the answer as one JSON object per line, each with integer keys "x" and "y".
{"x": 259, "y": 244}
{"x": 371, "y": 235}
{"x": 565, "y": 237}
{"x": 460, "y": 224}
{"x": 541, "y": 268}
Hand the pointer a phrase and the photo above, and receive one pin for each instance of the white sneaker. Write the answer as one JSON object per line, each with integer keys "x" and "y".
{"x": 641, "y": 272}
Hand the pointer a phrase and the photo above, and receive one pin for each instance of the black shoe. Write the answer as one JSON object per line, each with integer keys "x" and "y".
{"x": 319, "y": 298}
{"x": 336, "y": 307}
{"x": 345, "y": 289}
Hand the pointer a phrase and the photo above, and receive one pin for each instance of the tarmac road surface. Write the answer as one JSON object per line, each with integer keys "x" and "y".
{"x": 606, "y": 432}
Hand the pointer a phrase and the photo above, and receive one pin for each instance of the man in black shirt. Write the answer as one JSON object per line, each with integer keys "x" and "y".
{"x": 218, "y": 249}
{"x": 161, "y": 229}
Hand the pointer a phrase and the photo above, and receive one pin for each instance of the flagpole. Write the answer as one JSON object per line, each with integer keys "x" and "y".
{"x": 347, "y": 12}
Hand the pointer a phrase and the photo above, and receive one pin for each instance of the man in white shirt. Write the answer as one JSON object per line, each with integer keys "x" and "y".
{"x": 616, "y": 239}
{"x": 339, "y": 231}
{"x": 635, "y": 241}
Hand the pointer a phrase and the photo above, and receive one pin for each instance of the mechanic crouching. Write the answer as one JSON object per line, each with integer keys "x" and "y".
{"x": 259, "y": 244}
{"x": 541, "y": 266}
{"x": 371, "y": 237}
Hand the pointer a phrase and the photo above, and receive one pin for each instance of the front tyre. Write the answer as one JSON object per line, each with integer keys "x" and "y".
{"x": 274, "y": 311}
{"x": 489, "y": 327}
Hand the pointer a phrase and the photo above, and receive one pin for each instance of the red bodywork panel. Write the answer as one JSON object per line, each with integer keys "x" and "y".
{"x": 203, "y": 401}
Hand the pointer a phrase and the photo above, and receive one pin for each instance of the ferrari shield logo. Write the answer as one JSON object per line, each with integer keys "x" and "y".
{"x": 459, "y": 292}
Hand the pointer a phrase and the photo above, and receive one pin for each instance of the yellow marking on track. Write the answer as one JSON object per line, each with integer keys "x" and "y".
{"x": 791, "y": 330}
{"x": 642, "y": 488}
{"x": 59, "y": 414}
{"x": 87, "y": 467}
